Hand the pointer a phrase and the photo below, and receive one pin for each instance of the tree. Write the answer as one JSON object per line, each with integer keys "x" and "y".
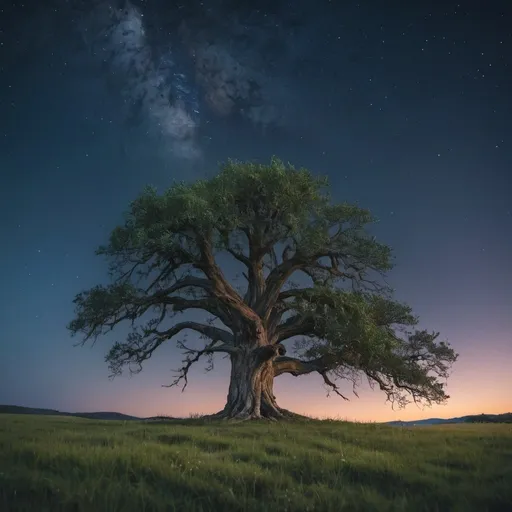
{"x": 312, "y": 272}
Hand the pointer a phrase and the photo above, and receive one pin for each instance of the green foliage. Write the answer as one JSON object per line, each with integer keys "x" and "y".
{"x": 357, "y": 334}
{"x": 164, "y": 260}
{"x": 62, "y": 464}
{"x": 101, "y": 306}
{"x": 274, "y": 203}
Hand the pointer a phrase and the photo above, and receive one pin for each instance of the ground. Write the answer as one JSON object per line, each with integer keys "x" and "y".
{"x": 52, "y": 463}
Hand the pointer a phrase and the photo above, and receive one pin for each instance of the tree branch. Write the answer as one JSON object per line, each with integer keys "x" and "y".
{"x": 188, "y": 282}
{"x": 298, "y": 367}
{"x": 275, "y": 281}
{"x": 192, "y": 356}
{"x": 140, "y": 346}
{"x": 294, "y": 326}
{"x": 222, "y": 289}
{"x": 212, "y": 332}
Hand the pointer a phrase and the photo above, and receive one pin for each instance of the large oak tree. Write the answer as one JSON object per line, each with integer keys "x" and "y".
{"x": 312, "y": 273}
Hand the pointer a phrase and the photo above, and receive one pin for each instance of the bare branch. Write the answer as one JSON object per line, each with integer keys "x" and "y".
{"x": 294, "y": 326}
{"x": 214, "y": 333}
{"x": 188, "y": 282}
{"x": 222, "y": 289}
{"x": 275, "y": 281}
{"x": 140, "y": 345}
{"x": 192, "y": 356}
{"x": 294, "y": 292}
{"x": 332, "y": 385}
{"x": 128, "y": 274}
{"x": 238, "y": 256}
{"x": 298, "y": 367}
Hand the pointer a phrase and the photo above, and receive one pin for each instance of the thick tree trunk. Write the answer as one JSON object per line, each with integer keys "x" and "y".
{"x": 251, "y": 393}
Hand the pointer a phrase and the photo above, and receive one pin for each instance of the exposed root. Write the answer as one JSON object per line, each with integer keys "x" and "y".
{"x": 266, "y": 413}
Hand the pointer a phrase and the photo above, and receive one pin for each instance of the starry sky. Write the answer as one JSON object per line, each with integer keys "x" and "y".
{"x": 406, "y": 109}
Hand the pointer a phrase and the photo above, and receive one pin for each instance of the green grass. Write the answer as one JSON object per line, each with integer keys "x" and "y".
{"x": 52, "y": 463}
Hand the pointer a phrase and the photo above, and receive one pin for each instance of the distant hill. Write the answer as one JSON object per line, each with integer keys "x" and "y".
{"x": 490, "y": 418}
{"x": 479, "y": 418}
{"x": 16, "y": 409}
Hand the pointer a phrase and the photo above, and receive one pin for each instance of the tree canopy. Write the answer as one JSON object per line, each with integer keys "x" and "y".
{"x": 313, "y": 275}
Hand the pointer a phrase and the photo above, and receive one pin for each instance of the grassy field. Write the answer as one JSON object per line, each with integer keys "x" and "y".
{"x": 52, "y": 463}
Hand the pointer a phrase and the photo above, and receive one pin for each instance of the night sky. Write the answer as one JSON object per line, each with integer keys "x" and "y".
{"x": 406, "y": 109}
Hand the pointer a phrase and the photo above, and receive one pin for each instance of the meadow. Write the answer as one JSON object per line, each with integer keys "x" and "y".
{"x": 53, "y": 463}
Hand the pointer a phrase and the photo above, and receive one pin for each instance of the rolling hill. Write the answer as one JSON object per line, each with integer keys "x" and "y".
{"x": 107, "y": 415}
{"x": 16, "y": 409}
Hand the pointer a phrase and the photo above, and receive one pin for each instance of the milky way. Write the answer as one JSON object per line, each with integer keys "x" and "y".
{"x": 175, "y": 64}
{"x": 151, "y": 84}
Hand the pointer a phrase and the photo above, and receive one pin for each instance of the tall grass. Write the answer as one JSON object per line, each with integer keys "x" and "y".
{"x": 52, "y": 463}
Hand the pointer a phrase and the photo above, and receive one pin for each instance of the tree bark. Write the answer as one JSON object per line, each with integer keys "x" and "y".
{"x": 251, "y": 387}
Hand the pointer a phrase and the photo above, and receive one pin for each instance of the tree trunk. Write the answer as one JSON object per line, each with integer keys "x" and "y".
{"x": 251, "y": 386}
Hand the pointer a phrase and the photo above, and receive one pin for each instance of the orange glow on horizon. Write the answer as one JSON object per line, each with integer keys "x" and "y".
{"x": 491, "y": 398}
{"x": 480, "y": 383}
